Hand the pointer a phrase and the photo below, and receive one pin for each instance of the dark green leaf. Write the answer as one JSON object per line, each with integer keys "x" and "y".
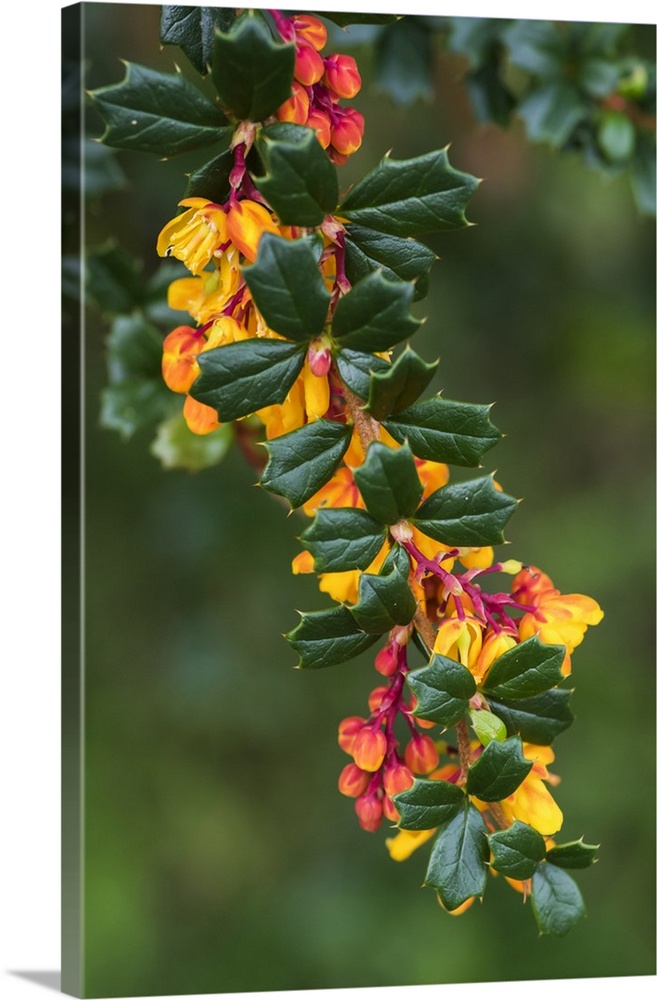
{"x": 408, "y": 197}
{"x": 287, "y": 286}
{"x": 403, "y": 61}
{"x": 324, "y": 638}
{"x": 487, "y": 726}
{"x": 388, "y": 482}
{"x": 556, "y": 900}
{"x": 355, "y": 369}
{"x": 343, "y": 539}
{"x": 211, "y": 181}
{"x": 134, "y": 351}
{"x": 398, "y": 258}
{"x": 490, "y": 99}
{"x": 644, "y": 184}
{"x": 240, "y": 378}
{"x": 129, "y": 405}
{"x": 374, "y": 315}
{"x": 113, "y": 279}
{"x": 384, "y": 601}
{"x": 252, "y": 72}
{"x": 575, "y": 854}
{"x": 472, "y": 513}
{"x": 400, "y": 384}
{"x": 443, "y": 689}
{"x": 516, "y": 852}
{"x": 457, "y": 867}
{"x": 537, "y": 720}
{"x": 551, "y": 112}
{"x": 399, "y": 559}
{"x": 428, "y": 804}
{"x": 499, "y": 770}
{"x": 537, "y": 47}
{"x": 156, "y": 112}
{"x": 192, "y": 28}
{"x": 102, "y": 171}
{"x": 179, "y": 448}
{"x": 441, "y": 430}
{"x": 525, "y": 670}
{"x": 598, "y": 77}
{"x": 300, "y": 182}
{"x": 616, "y": 136}
{"x": 475, "y": 37}
{"x": 304, "y": 460}
{"x": 346, "y": 18}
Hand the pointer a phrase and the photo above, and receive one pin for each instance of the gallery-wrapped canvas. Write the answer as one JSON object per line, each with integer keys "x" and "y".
{"x": 268, "y": 247}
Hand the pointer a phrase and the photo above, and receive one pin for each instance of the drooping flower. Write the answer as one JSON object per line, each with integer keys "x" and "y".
{"x": 194, "y": 236}
{"x": 531, "y": 802}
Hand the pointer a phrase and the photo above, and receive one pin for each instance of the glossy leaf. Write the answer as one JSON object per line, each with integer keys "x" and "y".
{"x": 441, "y": 430}
{"x": 457, "y": 867}
{"x": 343, "y": 539}
{"x": 344, "y": 19}
{"x": 537, "y": 720}
{"x": 398, "y": 258}
{"x": 409, "y": 197}
{"x": 384, "y": 600}
{"x": 211, "y": 181}
{"x": 388, "y": 482}
{"x": 324, "y": 638}
{"x": 300, "y": 182}
{"x": 473, "y": 513}
{"x": 443, "y": 689}
{"x": 525, "y": 670}
{"x": 516, "y": 852}
{"x": 428, "y": 804}
{"x": 251, "y": 70}
{"x": 399, "y": 385}
{"x": 179, "y": 448}
{"x": 155, "y": 112}
{"x": 356, "y": 370}
{"x": 240, "y": 378}
{"x": 192, "y": 28}
{"x": 556, "y": 900}
{"x": 575, "y": 854}
{"x": 499, "y": 770}
{"x": 287, "y": 286}
{"x": 113, "y": 279}
{"x": 374, "y": 315}
{"x": 304, "y": 460}
{"x": 487, "y": 726}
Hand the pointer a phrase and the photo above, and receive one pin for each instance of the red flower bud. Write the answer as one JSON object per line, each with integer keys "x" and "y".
{"x": 369, "y": 811}
{"x": 369, "y": 748}
{"x": 311, "y": 29}
{"x": 348, "y": 730}
{"x": 319, "y": 120}
{"x": 421, "y": 755}
{"x": 352, "y": 781}
{"x": 389, "y": 809}
{"x": 386, "y": 660}
{"x": 376, "y": 697}
{"x": 342, "y": 76}
{"x": 295, "y": 109}
{"x": 422, "y": 723}
{"x": 397, "y": 778}
{"x": 309, "y": 65}
{"x": 319, "y": 357}
{"x": 347, "y": 132}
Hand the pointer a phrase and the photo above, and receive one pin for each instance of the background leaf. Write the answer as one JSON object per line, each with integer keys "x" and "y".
{"x": 192, "y": 28}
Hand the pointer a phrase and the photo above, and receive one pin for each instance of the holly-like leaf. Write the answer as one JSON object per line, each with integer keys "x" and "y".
{"x": 399, "y": 385}
{"x": 537, "y": 720}
{"x": 300, "y": 182}
{"x": 356, "y": 370}
{"x": 409, "y": 197}
{"x": 403, "y": 61}
{"x": 443, "y": 689}
{"x": 556, "y": 900}
{"x": 251, "y": 70}
{"x": 499, "y": 770}
{"x": 457, "y": 867}
{"x": 155, "y": 112}
{"x": 374, "y": 315}
{"x": 388, "y": 482}
{"x": 304, "y": 460}
{"x": 240, "y": 378}
{"x": 575, "y": 854}
{"x": 192, "y": 28}
{"x": 287, "y": 286}
{"x": 384, "y": 600}
{"x": 324, "y": 638}
{"x": 442, "y": 430}
{"x": 343, "y": 539}
{"x": 525, "y": 670}
{"x": 113, "y": 279}
{"x": 399, "y": 559}
{"x": 471, "y": 513}
{"x": 211, "y": 181}
{"x": 516, "y": 852}
{"x": 398, "y": 258}
{"x": 487, "y": 726}
{"x": 179, "y": 448}
{"x": 344, "y": 19}
{"x": 551, "y": 112}
{"x": 428, "y": 804}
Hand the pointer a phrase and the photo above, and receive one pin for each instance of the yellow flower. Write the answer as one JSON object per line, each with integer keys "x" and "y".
{"x": 246, "y": 222}
{"x": 460, "y": 639}
{"x": 561, "y": 619}
{"x": 401, "y": 846}
{"x": 205, "y": 296}
{"x": 195, "y": 236}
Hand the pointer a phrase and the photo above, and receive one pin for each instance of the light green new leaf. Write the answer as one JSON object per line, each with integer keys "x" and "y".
{"x": 179, "y": 448}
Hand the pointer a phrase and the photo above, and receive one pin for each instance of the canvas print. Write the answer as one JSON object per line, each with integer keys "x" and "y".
{"x": 375, "y": 722}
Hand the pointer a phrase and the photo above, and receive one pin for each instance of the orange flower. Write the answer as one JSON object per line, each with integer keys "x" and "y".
{"x": 179, "y": 352}
{"x": 245, "y": 223}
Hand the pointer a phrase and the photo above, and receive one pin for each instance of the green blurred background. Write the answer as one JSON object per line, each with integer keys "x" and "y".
{"x": 219, "y": 854}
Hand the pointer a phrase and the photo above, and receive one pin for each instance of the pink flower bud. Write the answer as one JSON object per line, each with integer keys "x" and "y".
{"x": 397, "y": 778}
{"x": 421, "y": 754}
{"x": 386, "y": 660}
{"x": 369, "y": 811}
{"x": 342, "y": 76}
